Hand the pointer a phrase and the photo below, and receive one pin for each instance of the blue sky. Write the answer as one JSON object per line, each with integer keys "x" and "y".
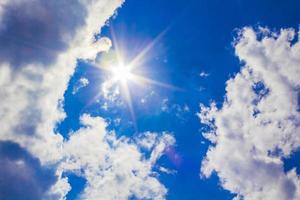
{"x": 198, "y": 39}
{"x": 193, "y": 55}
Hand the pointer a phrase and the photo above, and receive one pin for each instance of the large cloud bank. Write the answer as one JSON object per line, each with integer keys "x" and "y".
{"x": 259, "y": 123}
{"x": 40, "y": 44}
{"x": 20, "y": 172}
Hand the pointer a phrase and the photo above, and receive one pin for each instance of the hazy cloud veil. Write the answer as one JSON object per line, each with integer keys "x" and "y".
{"x": 259, "y": 122}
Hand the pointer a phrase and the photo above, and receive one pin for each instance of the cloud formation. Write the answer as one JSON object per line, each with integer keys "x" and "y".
{"x": 31, "y": 90}
{"x": 114, "y": 168}
{"x": 22, "y": 176}
{"x": 37, "y": 31}
{"x": 43, "y": 41}
{"x": 259, "y": 122}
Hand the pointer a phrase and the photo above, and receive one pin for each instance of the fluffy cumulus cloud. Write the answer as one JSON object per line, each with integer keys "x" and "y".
{"x": 43, "y": 40}
{"x": 259, "y": 123}
{"x": 114, "y": 168}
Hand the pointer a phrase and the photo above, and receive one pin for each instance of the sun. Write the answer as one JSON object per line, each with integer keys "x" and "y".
{"x": 122, "y": 73}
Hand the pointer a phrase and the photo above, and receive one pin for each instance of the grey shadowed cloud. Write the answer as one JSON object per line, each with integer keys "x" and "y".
{"x": 36, "y": 31}
{"x": 21, "y": 174}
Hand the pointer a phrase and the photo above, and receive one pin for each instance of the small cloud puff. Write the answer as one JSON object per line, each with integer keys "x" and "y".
{"x": 81, "y": 83}
{"x": 204, "y": 74}
{"x": 167, "y": 171}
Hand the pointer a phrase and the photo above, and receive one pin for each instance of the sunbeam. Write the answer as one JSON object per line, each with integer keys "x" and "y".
{"x": 120, "y": 73}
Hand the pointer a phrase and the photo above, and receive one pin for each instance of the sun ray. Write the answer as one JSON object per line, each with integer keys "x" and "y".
{"x": 140, "y": 57}
{"x": 116, "y": 46}
{"x": 128, "y": 99}
{"x": 121, "y": 72}
{"x": 144, "y": 79}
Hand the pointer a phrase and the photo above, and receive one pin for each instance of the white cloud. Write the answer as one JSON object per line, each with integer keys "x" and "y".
{"x": 31, "y": 93}
{"x": 31, "y": 90}
{"x": 147, "y": 140}
{"x": 258, "y": 124}
{"x": 114, "y": 168}
{"x": 204, "y": 74}
{"x": 105, "y": 43}
{"x": 165, "y": 105}
{"x": 167, "y": 171}
{"x": 82, "y": 82}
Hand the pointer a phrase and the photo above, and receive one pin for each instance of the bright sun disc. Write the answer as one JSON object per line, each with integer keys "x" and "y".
{"x": 122, "y": 73}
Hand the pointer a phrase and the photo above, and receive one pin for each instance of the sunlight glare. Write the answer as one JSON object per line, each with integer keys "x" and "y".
{"x": 122, "y": 73}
